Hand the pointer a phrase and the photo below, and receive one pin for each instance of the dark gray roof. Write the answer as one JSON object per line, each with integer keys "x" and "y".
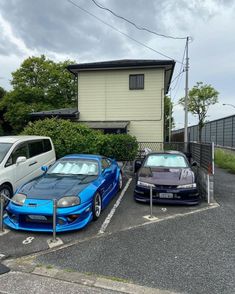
{"x": 168, "y": 65}
{"x": 123, "y": 63}
{"x": 62, "y": 112}
{"x": 106, "y": 124}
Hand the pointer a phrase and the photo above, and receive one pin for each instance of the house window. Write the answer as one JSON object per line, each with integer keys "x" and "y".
{"x": 136, "y": 82}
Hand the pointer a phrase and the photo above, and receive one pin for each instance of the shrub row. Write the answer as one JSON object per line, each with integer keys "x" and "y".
{"x": 225, "y": 159}
{"x": 70, "y": 137}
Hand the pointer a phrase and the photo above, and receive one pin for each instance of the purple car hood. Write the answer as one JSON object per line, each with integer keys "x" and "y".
{"x": 166, "y": 176}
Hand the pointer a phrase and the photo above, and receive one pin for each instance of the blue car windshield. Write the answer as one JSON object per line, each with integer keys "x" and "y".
{"x": 74, "y": 167}
{"x": 166, "y": 160}
{"x": 4, "y": 148}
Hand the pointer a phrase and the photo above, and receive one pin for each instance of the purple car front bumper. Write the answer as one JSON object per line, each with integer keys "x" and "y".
{"x": 177, "y": 196}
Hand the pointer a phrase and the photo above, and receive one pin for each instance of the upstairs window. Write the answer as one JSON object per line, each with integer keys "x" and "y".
{"x": 136, "y": 82}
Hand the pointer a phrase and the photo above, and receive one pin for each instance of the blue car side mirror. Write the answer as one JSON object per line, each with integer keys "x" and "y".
{"x": 44, "y": 168}
{"x": 107, "y": 171}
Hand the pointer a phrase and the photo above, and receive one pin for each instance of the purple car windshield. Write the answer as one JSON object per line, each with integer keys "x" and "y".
{"x": 166, "y": 160}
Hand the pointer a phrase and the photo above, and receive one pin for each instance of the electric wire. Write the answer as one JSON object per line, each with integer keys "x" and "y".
{"x": 124, "y": 34}
{"x": 180, "y": 72}
{"x": 135, "y": 25}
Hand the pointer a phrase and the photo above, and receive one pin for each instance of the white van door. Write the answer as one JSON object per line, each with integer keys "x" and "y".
{"x": 19, "y": 173}
{"x": 41, "y": 153}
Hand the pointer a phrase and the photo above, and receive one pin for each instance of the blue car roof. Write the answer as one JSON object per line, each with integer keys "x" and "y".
{"x": 86, "y": 156}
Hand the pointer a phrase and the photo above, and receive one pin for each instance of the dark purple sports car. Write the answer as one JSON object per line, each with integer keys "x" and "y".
{"x": 170, "y": 176}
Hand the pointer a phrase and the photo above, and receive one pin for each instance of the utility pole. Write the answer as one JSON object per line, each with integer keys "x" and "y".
{"x": 169, "y": 134}
{"x": 186, "y": 97}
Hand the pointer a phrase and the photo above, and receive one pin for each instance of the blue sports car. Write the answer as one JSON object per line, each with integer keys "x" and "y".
{"x": 82, "y": 186}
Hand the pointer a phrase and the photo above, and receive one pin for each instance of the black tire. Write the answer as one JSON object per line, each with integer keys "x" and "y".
{"x": 6, "y": 189}
{"x": 96, "y": 206}
{"x": 120, "y": 182}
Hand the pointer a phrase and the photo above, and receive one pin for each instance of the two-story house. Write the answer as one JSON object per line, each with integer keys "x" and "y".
{"x": 124, "y": 96}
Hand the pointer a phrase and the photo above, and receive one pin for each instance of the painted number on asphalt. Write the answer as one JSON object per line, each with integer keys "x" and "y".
{"x": 28, "y": 240}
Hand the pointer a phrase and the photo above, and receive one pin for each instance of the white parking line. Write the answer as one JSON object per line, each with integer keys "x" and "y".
{"x": 110, "y": 215}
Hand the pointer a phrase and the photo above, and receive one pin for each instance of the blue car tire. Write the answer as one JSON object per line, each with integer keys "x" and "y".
{"x": 120, "y": 182}
{"x": 96, "y": 206}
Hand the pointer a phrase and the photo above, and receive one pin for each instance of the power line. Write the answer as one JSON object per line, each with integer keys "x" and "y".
{"x": 135, "y": 25}
{"x": 117, "y": 30}
{"x": 180, "y": 71}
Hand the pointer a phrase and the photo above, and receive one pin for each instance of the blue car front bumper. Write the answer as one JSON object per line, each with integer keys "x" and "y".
{"x": 39, "y": 218}
{"x": 179, "y": 196}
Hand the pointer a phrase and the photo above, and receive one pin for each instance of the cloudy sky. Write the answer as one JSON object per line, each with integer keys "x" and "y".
{"x": 60, "y": 30}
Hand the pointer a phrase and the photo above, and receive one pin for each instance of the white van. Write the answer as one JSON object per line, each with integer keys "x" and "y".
{"x": 21, "y": 158}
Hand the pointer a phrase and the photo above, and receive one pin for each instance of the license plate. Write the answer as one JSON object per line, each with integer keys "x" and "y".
{"x": 37, "y": 217}
{"x": 165, "y": 195}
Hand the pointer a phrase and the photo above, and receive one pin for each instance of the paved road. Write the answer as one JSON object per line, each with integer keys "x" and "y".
{"x": 188, "y": 254}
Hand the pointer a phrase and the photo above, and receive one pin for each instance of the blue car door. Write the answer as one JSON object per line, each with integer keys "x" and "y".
{"x": 108, "y": 174}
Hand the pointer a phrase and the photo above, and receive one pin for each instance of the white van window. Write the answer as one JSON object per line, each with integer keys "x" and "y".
{"x": 4, "y": 148}
{"x": 35, "y": 148}
{"x": 22, "y": 150}
{"x": 47, "y": 145}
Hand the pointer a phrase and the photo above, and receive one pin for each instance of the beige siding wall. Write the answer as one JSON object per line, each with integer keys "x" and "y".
{"x": 105, "y": 95}
{"x": 146, "y": 131}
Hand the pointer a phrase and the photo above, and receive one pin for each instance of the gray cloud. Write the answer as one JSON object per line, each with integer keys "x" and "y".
{"x": 55, "y": 27}
{"x": 58, "y": 26}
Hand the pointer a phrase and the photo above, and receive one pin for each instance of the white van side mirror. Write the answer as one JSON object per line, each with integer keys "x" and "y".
{"x": 20, "y": 159}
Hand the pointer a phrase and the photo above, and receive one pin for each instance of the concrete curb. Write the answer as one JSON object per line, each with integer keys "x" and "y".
{"x": 28, "y": 265}
{"x": 96, "y": 281}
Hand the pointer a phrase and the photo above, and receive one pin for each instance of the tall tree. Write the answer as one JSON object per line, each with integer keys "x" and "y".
{"x": 39, "y": 84}
{"x": 2, "y": 122}
{"x": 201, "y": 97}
{"x": 168, "y": 118}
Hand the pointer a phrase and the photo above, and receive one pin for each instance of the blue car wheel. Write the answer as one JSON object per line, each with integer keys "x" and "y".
{"x": 97, "y": 206}
{"x": 120, "y": 182}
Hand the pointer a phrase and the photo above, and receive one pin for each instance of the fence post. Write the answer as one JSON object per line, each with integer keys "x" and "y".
{"x": 1, "y": 213}
{"x": 54, "y": 219}
{"x": 208, "y": 189}
{"x": 151, "y": 202}
{"x": 213, "y": 157}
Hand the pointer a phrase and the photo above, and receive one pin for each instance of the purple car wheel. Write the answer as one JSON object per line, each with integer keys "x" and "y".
{"x": 97, "y": 206}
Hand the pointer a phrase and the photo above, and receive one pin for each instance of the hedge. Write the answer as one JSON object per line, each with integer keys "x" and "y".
{"x": 71, "y": 137}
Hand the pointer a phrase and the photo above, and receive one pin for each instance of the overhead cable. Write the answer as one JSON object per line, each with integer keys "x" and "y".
{"x": 124, "y": 34}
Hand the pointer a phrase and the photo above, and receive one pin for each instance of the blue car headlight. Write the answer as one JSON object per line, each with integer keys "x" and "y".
{"x": 19, "y": 199}
{"x": 68, "y": 201}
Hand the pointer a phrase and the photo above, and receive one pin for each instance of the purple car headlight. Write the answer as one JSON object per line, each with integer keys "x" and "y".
{"x": 187, "y": 186}
{"x": 68, "y": 201}
{"x": 19, "y": 199}
{"x": 144, "y": 184}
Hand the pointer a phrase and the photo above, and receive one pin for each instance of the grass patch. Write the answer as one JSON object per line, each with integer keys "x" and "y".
{"x": 225, "y": 159}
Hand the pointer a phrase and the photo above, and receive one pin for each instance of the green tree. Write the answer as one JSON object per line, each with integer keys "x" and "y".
{"x": 201, "y": 97}
{"x": 168, "y": 111}
{"x": 39, "y": 84}
{"x": 2, "y": 94}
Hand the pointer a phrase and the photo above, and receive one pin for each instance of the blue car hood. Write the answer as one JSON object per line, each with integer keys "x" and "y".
{"x": 56, "y": 186}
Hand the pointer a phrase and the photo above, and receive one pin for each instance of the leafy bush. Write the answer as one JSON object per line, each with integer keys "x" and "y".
{"x": 120, "y": 146}
{"x": 225, "y": 159}
{"x": 70, "y": 137}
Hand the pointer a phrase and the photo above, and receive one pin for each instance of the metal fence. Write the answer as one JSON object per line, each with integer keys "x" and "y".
{"x": 220, "y": 131}
{"x": 202, "y": 153}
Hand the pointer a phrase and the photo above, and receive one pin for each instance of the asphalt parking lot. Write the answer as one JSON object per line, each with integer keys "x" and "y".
{"x": 184, "y": 250}
{"x": 128, "y": 214}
